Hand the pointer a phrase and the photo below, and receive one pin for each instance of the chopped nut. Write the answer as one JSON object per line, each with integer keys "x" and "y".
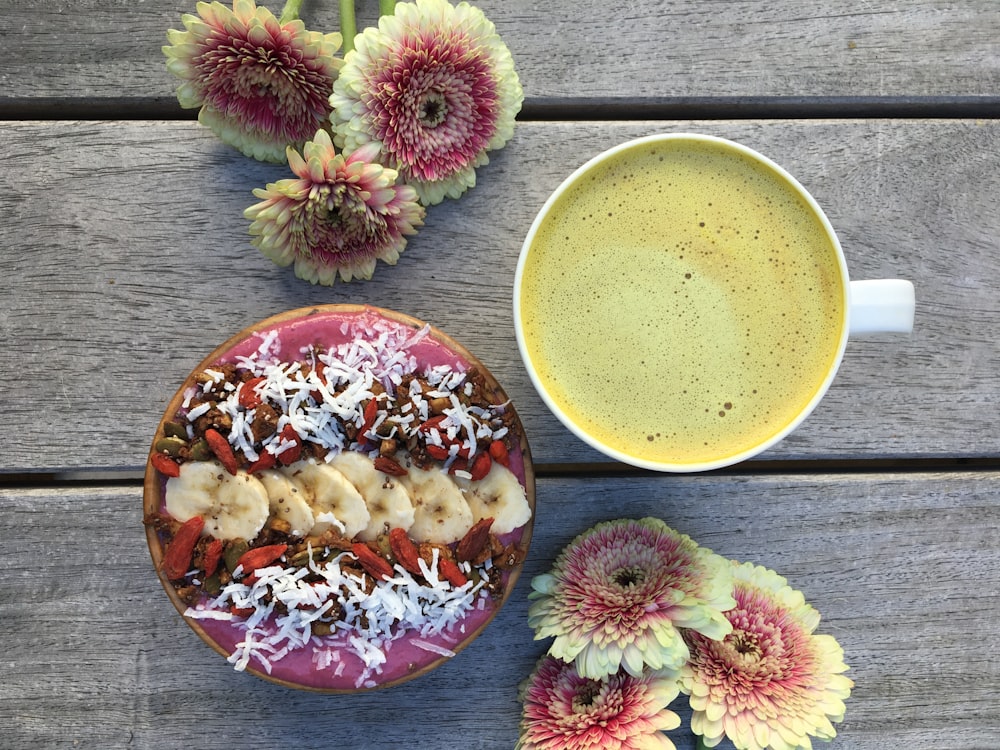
{"x": 265, "y": 422}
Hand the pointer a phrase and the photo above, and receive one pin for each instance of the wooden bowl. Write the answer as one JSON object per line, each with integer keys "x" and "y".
{"x": 321, "y": 325}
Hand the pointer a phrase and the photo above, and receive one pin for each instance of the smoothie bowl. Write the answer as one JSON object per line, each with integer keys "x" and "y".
{"x": 339, "y": 498}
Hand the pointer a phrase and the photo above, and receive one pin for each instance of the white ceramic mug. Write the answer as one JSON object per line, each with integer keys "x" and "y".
{"x": 865, "y": 307}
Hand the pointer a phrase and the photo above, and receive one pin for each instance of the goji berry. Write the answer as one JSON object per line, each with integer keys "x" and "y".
{"x": 260, "y": 557}
{"x": 243, "y": 612}
{"x": 212, "y": 557}
{"x": 377, "y": 567}
{"x": 470, "y": 545}
{"x": 370, "y": 413}
{"x": 165, "y": 465}
{"x": 265, "y": 461}
{"x": 432, "y": 423}
{"x": 177, "y": 556}
{"x": 498, "y": 451}
{"x": 452, "y": 573}
{"x": 405, "y": 551}
{"x": 389, "y": 466}
{"x": 437, "y": 452}
{"x": 249, "y": 398}
{"x": 480, "y": 466}
{"x": 222, "y": 449}
{"x": 294, "y": 453}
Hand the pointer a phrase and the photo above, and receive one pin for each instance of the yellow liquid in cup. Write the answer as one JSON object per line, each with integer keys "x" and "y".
{"x": 682, "y": 303}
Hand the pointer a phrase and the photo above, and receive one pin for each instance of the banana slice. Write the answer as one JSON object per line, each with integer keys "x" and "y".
{"x": 327, "y": 491}
{"x": 234, "y": 507}
{"x": 440, "y": 512}
{"x": 288, "y": 501}
{"x": 499, "y": 495}
{"x": 385, "y": 496}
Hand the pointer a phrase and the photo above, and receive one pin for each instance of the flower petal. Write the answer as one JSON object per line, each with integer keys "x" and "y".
{"x": 596, "y": 601}
{"x": 260, "y": 86}
{"x": 336, "y": 219}
{"x": 434, "y": 87}
{"x": 770, "y": 683}
{"x": 562, "y": 709}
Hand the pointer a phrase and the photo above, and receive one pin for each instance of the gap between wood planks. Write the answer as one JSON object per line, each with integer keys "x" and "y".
{"x": 579, "y": 109}
{"x": 134, "y": 477}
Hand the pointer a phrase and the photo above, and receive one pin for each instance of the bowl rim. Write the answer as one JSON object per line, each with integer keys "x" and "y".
{"x": 153, "y": 483}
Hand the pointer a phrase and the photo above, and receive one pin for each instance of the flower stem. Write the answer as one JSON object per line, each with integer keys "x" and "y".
{"x": 348, "y": 26}
{"x": 290, "y": 12}
{"x": 700, "y": 743}
{"x": 386, "y": 7}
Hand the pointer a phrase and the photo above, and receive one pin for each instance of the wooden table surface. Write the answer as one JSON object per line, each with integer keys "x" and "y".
{"x": 124, "y": 260}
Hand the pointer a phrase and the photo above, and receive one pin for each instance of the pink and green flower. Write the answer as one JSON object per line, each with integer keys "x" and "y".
{"x": 564, "y": 711}
{"x": 619, "y": 594}
{"x": 261, "y": 83}
{"x": 338, "y": 217}
{"x": 772, "y": 683}
{"x": 434, "y": 86}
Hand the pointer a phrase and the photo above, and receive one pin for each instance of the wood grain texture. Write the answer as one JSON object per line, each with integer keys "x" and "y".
{"x": 640, "y": 48}
{"x": 903, "y": 569}
{"x": 124, "y": 260}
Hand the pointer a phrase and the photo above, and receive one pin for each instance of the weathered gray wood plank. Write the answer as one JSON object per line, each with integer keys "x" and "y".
{"x": 905, "y": 570}
{"x": 124, "y": 260}
{"x": 643, "y": 48}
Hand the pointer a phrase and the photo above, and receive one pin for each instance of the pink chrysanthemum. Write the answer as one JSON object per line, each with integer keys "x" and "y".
{"x": 564, "y": 711}
{"x": 772, "y": 683}
{"x": 339, "y": 217}
{"x": 435, "y": 87}
{"x": 619, "y": 592}
{"x": 262, "y": 84}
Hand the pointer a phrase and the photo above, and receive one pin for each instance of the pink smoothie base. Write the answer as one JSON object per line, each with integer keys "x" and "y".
{"x": 403, "y": 658}
{"x": 321, "y": 326}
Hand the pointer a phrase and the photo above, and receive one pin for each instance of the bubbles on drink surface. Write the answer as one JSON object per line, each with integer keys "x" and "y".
{"x": 680, "y": 303}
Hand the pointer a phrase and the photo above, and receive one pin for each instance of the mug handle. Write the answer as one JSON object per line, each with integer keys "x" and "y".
{"x": 882, "y": 306}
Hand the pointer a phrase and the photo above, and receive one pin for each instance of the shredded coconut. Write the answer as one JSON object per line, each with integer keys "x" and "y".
{"x": 370, "y": 622}
{"x": 326, "y": 389}
{"x": 197, "y": 411}
{"x": 432, "y": 647}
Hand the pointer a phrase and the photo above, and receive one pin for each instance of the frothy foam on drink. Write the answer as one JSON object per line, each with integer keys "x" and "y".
{"x": 682, "y": 303}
